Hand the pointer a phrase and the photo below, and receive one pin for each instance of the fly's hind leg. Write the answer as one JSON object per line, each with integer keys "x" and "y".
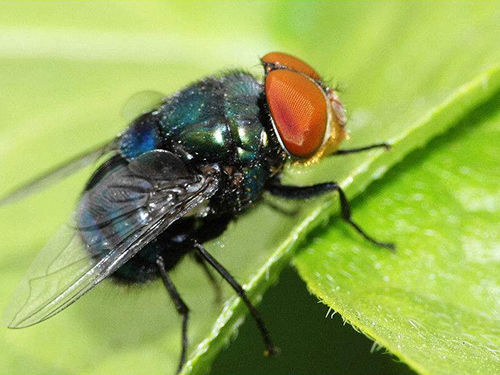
{"x": 181, "y": 307}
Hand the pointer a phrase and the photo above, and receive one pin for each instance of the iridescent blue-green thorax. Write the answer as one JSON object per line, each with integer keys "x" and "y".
{"x": 221, "y": 119}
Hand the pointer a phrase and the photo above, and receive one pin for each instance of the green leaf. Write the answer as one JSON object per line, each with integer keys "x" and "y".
{"x": 434, "y": 302}
{"x": 410, "y": 71}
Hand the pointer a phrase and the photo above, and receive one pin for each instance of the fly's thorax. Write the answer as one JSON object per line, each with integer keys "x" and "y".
{"x": 257, "y": 154}
{"x": 219, "y": 119}
{"x": 239, "y": 189}
{"x": 243, "y": 183}
{"x": 142, "y": 135}
{"x": 214, "y": 120}
{"x": 222, "y": 120}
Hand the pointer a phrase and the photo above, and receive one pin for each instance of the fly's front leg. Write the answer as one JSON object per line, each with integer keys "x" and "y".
{"x": 305, "y": 192}
{"x": 181, "y": 307}
{"x": 384, "y": 145}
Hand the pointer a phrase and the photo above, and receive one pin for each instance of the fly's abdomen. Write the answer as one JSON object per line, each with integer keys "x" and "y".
{"x": 107, "y": 212}
{"x": 108, "y": 215}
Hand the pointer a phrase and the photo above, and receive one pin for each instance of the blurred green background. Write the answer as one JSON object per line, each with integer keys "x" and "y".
{"x": 66, "y": 70}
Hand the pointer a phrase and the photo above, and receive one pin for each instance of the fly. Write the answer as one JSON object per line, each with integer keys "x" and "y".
{"x": 176, "y": 177}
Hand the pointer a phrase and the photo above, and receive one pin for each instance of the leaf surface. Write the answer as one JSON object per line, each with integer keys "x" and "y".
{"x": 408, "y": 73}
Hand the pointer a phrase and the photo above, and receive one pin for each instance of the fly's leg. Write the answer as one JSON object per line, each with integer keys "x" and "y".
{"x": 384, "y": 145}
{"x": 305, "y": 192}
{"x": 215, "y": 283}
{"x": 282, "y": 210}
{"x": 181, "y": 307}
{"x": 270, "y": 348}
{"x": 209, "y": 230}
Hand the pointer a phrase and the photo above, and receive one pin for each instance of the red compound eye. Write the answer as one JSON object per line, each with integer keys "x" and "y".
{"x": 290, "y": 62}
{"x": 299, "y": 110}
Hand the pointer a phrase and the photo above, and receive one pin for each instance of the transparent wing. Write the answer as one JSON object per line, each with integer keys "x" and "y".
{"x": 135, "y": 106}
{"x": 127, "y": 209}
{"x": 141, "y": 103}
{"x": 58, "y": 173}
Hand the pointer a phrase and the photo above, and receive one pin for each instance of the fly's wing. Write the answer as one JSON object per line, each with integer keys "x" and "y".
{"x": 137, "y": 105}
{"x": 141, "y": 103}
{"x": 58, "y": 173}
{"x": 114, "y": 220}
